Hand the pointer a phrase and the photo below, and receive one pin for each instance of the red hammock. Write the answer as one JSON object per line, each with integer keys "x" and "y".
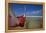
{"x": 21, "y": 21}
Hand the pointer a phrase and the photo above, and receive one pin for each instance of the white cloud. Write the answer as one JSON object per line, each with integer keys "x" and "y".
{"x": 33, "y": 12}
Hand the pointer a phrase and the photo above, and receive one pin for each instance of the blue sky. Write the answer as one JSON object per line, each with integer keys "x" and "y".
{"x": 31, "y": 9}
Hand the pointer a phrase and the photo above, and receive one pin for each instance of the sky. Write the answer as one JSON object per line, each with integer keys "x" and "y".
{"x": 28, "y": 9}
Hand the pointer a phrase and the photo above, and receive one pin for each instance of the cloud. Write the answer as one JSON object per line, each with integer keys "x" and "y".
{"x": 36, "y": 12}
{"x": 33, "y": 13}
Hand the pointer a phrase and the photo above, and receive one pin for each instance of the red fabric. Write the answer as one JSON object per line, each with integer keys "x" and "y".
{"x": 21, "y": 20}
